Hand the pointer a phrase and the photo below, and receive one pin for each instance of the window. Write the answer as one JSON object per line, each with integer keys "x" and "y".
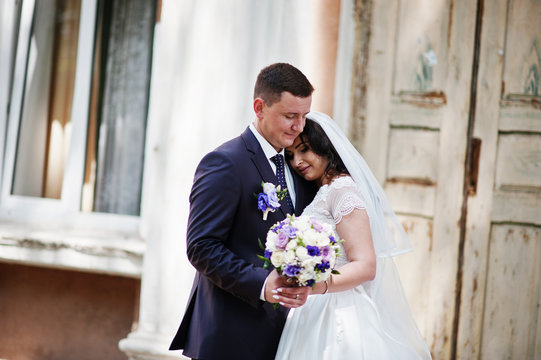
{"x": 45, "y": 115}
{"x": 76, "y": 128}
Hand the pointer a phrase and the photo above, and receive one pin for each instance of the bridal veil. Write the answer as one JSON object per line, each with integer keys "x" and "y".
{"x": 389, "y": 239}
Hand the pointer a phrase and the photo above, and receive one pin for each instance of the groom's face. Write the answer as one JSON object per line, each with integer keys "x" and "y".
{"x": 281, "y": 122}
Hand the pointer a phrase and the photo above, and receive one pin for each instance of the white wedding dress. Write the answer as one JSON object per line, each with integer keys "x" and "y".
{"x": 370, "y": 321}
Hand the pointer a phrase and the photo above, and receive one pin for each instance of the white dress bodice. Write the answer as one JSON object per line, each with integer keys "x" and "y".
{"x": 334, "y": 201}
{"x": 347, "y": 325}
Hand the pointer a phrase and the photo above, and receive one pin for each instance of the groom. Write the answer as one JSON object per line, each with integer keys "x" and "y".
{"x": 230, "y": 312}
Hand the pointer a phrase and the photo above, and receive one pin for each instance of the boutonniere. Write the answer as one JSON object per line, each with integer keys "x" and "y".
{"x": 269, "y": 199}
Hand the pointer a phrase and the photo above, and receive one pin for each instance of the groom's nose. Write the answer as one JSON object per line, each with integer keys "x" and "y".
{"x": 298, "y": 124}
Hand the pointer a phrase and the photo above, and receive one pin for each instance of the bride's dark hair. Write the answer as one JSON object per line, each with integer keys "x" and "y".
{"x": 320, "y": 144}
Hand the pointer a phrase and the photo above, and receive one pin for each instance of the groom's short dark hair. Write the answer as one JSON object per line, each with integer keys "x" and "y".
{"x": 280, "y": 77}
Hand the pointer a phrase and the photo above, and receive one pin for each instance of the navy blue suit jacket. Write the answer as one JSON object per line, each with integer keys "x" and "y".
{"x": 225, "y": 316}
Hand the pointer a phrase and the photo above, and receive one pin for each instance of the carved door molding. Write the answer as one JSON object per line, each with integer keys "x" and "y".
{"x": 446, "y": 110}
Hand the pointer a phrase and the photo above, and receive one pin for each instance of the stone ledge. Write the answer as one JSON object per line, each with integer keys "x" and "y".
{"x": 105, "y": 252}
{"x": 145, "y": 345}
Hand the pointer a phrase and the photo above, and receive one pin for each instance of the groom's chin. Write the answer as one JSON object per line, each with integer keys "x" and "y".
{"x": 288, "y": 142}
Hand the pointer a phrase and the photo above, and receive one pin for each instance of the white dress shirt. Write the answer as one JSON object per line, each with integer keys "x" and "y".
{"x": 269, "y": 151}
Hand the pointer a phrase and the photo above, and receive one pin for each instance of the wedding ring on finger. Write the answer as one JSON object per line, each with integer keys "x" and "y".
{"x": 296, "y": 296}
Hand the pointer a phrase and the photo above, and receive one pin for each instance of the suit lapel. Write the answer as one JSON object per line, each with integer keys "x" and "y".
{"x": 262, "y": 164}
{"x": 258, "y": 157}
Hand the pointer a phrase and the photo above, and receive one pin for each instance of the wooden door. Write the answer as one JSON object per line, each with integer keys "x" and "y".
{"x": 446, "y": 110}
{"x": 413, "y": 76}
{"x": 499, "y": 315}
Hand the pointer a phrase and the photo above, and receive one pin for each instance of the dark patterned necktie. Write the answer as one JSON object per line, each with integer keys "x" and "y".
{"x": 278, "y": 160}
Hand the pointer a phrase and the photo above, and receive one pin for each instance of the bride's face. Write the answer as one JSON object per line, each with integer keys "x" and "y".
{"x": 305, "y": 162}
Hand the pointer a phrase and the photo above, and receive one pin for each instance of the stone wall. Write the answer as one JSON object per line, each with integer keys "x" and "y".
{"x": 57, "y": 314}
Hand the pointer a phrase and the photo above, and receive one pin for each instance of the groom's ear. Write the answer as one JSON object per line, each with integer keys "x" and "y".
{"x": 259, "y": 104}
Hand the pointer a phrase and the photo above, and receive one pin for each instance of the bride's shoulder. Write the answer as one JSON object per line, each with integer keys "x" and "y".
{"x": 343, "y": 186}
{"x": 338, "y": 187}
{"x": 341, "y": 182}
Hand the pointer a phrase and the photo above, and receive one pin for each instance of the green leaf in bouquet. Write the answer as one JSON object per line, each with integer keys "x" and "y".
{"x": 266, "y": 261}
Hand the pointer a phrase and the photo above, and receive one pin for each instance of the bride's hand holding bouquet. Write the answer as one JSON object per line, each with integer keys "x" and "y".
{"x": 302, "y": 249}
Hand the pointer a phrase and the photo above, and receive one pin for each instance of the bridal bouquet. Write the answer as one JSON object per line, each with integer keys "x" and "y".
{"x": 301, "y": 248}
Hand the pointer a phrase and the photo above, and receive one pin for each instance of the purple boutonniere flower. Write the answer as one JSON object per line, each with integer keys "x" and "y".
{"x": 262, "y": 201}
{"x": 269, "y": 199}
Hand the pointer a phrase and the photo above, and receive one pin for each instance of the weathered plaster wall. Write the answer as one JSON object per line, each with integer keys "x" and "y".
{"x": 57, "y": 314}
{"x": 323, "y": 45}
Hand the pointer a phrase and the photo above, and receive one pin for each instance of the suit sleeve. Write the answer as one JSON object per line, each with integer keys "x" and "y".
{"x": 214, "y": 200}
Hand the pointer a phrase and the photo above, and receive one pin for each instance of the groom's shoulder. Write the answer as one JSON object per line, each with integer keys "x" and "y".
{"x": 236, "y": 146}
{"x": 230, "y": 152}
{"x": 232, "y": 145}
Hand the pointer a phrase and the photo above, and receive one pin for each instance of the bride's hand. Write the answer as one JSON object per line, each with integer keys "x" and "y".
{"x": 292, "y": 296}
{"x": 279, "y": 290}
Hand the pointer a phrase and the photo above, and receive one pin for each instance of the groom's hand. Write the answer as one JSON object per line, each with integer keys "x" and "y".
{"x": 279, "y": 290}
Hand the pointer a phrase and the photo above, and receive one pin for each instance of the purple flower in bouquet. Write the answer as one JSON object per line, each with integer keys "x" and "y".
{"x": 290, "y": 231}
{"x": 324, "y": 265}
{"x": 326, "y": 253}
{"x": 317, "y": 225}
{"x": 278, "y": 226}
{"x": 313, "y": 250}
{"x": 281, "y": 240}
{"x": 301, "y": 248}
{"x": 292, "y": 270}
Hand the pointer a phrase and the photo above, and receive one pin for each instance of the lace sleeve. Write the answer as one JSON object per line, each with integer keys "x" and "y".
{"x": 343, "y": 198}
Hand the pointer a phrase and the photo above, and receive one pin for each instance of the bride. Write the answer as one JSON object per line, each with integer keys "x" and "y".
{"x": 361, "y": 313}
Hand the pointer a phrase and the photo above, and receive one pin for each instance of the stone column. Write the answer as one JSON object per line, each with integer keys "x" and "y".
{"x": 167, "y": 275}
